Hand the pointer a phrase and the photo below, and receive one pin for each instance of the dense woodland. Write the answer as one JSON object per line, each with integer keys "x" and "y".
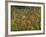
{"x": 25, "y": 18}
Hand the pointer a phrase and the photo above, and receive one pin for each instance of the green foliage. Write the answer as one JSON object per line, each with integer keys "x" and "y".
{"x": 25, "y": 18}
